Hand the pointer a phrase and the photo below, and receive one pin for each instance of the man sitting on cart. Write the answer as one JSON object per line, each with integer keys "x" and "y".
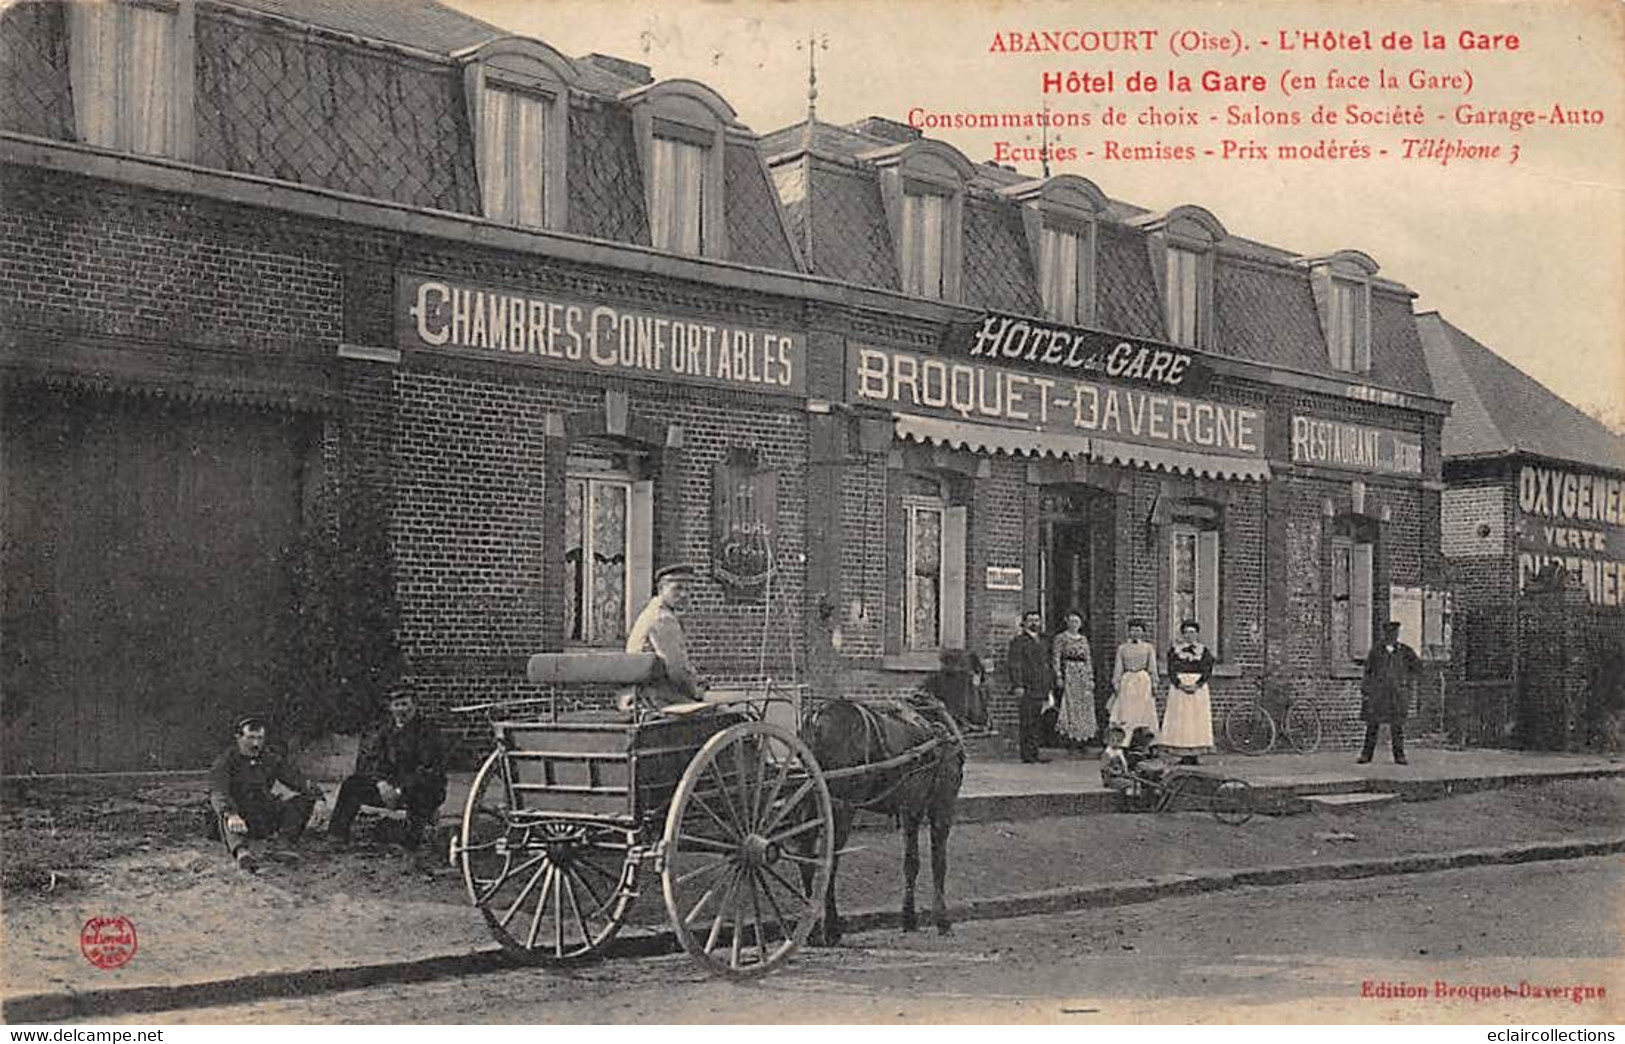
{"x": 658, "y": 629}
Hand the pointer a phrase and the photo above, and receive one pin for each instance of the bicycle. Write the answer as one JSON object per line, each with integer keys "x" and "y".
{"x": 1250, "y": 728}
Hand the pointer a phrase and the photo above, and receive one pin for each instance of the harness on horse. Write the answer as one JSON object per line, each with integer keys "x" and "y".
{"x": 909, "y": 764}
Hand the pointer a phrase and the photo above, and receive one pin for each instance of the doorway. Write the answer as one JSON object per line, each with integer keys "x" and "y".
{"x": 1075, "y": 569}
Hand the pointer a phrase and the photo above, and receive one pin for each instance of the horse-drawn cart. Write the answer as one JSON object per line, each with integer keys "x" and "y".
{"x": 730, "y": 810}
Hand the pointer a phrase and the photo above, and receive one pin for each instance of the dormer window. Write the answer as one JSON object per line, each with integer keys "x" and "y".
{"x": 922, "y": 184}
{"x": 1184, "y": 244}
{"x": 1182, "y": 300}
{"x": 682, "y": 130}
{"x": 132, "y": 71}
{"x": 677, "y": 195}
{"x": 1342, "y": 289}
{"x": 519, "y": 105}
{"x": 923, "y": 245}
{"x": 1060, "y": 215}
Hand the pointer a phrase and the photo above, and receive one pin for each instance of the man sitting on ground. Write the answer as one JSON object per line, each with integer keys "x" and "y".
{"x": 401, "y": 766}
{"x": 240, "y": 793}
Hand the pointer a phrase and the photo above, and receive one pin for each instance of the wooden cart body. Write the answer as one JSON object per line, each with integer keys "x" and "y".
{"x": 575, "y": 799}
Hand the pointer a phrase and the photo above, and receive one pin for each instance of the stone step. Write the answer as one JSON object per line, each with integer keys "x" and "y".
{"x": 1347, "y": 800}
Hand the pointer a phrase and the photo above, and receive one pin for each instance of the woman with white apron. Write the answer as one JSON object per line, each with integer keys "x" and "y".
{"x": 1187, "y": 725}
{"x": 1134, "y": 679}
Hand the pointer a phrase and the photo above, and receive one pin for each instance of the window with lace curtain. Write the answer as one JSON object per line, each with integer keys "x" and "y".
{"x": 131, "y": 68}
{"x": 676, "y": 218}
{"x": 514, "y": 173}
{"x": 608, "y": 545}
{"x": 1349, "y": 616}
{"x": 929, "y": 609}
{"x": 1193, "y": 579}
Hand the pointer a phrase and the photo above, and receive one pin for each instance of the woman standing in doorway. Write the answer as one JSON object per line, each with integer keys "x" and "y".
{"x": 1187, "y": 727}
{"x": 1134, "y": 679}
{"x": 1075, "y": 676}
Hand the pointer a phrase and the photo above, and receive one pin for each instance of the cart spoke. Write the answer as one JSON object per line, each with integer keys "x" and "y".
{"x": 541, "y": 905}
{"x": 709, "y": 844}
{"x": 524, "y": 893}
{"x": 732, "y": 832}
{"x": 693, "y": 914}
{"x": 727, "y": 798}
{"x": 797, "y": 831}
{"x": 795, "y": 857}
{"x": 558, "y": 917}
{"x": 778, "y": 911}
{"x": 799, "y": 893}
{"x": 575, "y": 908}
{"x": 709, "y": 868}
{"x": 722, "y": 911}
{"x": 773, "y": 795}
{"x": 794, "y": 800}
{"x": 756, "y": 908}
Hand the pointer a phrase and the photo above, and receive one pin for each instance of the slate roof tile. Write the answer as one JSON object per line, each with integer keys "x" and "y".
{"x": 1500, "y": 410}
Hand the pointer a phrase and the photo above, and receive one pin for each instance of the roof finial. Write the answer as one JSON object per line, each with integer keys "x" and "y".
{"x": 815, "y": 42}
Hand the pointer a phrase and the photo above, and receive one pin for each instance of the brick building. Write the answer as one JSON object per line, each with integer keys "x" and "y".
{"x": 368, "y": 342}
{"x": 1535, "y": 490}
{"x": 1123, "y": 412}
{"x": 364, "y": 344}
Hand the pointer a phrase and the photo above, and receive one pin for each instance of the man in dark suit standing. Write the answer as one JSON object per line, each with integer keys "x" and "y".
{"x": 1391, "y": 668}
{"x": 1032, "y": 679}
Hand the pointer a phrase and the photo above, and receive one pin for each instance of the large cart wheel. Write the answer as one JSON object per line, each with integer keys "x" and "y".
{"x": 1249, "y": 729}
{"x": 1303, "y": 727}
{"x": 749, "y": 842}
{"x": 1232, "y": 801}
{"x": 552, "y": 889}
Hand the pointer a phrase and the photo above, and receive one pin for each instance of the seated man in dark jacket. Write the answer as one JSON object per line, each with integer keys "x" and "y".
{"x": 240, "y": 793}
{"x": 402, "y": 765}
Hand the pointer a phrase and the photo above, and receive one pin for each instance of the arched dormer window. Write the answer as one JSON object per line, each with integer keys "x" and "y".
{"x": 1341, "y": 283}
{"x": 518, "y": 93}
{"x": 682, "y": 129}
{"x": 922, "y": 184}
{"x": 1060, "y": 215}
{"x": 1183, "y": 245}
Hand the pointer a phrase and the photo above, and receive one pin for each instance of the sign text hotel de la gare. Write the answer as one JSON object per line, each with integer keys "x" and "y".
{"x": 968, "y": 389}
{"x": 445, "y": 315}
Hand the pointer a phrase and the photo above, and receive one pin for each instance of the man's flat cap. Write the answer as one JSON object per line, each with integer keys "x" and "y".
{"x": 677, "y": 572}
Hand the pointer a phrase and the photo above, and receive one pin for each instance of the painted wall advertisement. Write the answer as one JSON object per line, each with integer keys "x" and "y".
{"x": 1576, "y": 520}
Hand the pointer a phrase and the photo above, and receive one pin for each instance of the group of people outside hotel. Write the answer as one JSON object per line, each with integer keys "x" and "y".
{"x": 1057, "y": 674}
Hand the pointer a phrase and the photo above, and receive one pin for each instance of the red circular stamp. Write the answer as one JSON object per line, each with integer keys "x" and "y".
{"x": 108, "y": 942}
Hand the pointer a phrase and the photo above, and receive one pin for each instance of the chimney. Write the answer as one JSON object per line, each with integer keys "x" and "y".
{"x": 638, "y": 74}
{"x": 887, "y": 130}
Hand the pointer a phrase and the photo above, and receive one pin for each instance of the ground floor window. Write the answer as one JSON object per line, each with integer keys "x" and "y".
{"x": 1351, "y": 609}
{"x": 608, "y": 546}
{"x": 1194, "y": 547}
{"x": 932, "y": 599}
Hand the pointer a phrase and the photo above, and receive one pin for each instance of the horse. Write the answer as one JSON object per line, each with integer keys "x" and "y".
{"x": 849, "y": 735}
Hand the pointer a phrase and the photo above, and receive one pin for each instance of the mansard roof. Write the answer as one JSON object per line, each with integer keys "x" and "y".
{"x": 1264, "y": 307}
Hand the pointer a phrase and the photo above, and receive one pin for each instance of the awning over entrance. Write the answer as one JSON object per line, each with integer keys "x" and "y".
{"x": 987, "y": 438}
{"x": 1156, "y": 457}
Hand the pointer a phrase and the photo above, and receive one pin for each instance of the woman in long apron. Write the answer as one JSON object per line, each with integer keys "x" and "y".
{"x": 1187, "y": 725}
{"x": 1134, "y": 679}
